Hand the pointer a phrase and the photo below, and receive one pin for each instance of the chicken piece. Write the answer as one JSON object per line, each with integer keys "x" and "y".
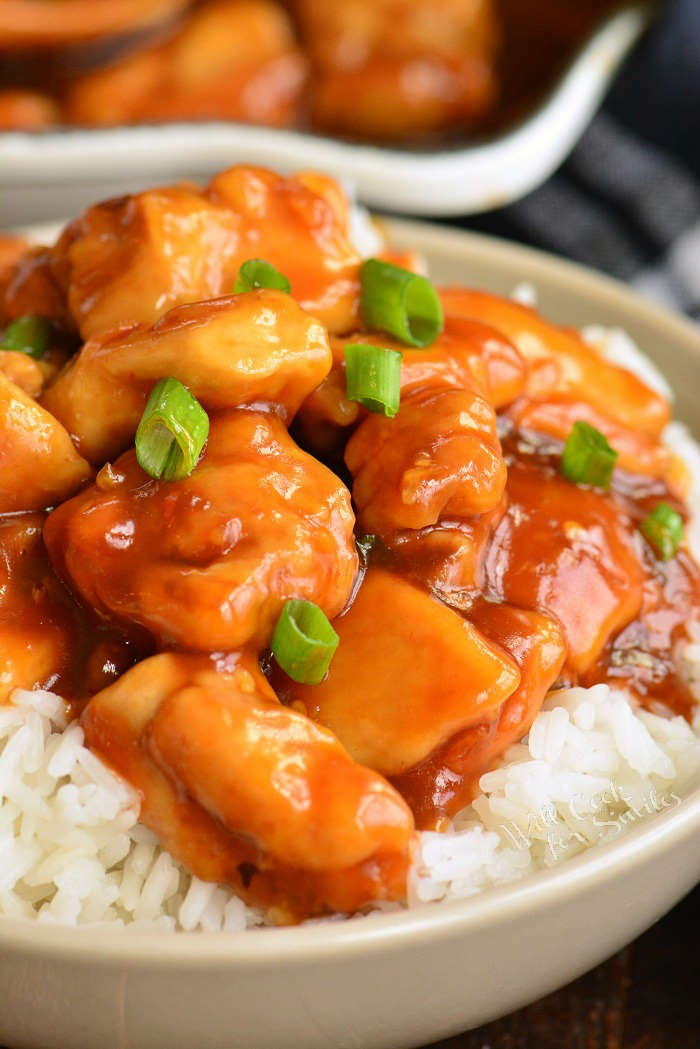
{"x": 29, "y": 374}
{"x": 30, "y": 287}
{"x": 561, "y": 363}
{"x": 207, "y": 563}
{"x": 448, "y": 557}
{"x": 23, "y": 371}
{"x": 302, "y": 226}
{"x": 448, "y": 779}
{"x": 439, "y": 457}
{"x": 39, "y": 465}
{"x": 245, "y": 791}
{"x": 638, "y": 452}
{"x": 407, "y": 675}
{"x": 372, "y": 81}
{"x": 570, "y": 552}
{"x": 129, "y": 260}
{"x": 22, "y": 110}
{"x": 254, "y": 347}
{"x": 466, "y": 354}
{"x": 232, "y": 59}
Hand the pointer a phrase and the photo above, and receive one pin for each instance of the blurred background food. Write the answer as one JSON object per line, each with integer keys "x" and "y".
{"x": 382, "y": 70}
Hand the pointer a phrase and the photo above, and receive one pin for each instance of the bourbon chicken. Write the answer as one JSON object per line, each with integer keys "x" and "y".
{"x": 303, "y": 541}
{"x": 393, "y": 71}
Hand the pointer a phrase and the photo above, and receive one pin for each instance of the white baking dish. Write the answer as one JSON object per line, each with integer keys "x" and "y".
{"x": 58, "y": 172}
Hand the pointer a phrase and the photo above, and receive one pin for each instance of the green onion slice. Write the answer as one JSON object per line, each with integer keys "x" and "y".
{"x": 663, "y": 530}
{"x": 587, "y": 456}
{"x": 256, "y": 273}
{"x": 29, "y": 334}
{"x": 399, "y": 302}
{"x": 304, "y": 642}
{"x": 173, "y": 430}
{"x": 373, "y": 377}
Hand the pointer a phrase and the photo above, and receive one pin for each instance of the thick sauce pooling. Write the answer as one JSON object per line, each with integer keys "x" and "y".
{"x": 464, "y": 575}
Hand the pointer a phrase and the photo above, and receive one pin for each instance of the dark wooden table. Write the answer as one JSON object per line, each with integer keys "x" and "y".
{"x": 645, "y": 997}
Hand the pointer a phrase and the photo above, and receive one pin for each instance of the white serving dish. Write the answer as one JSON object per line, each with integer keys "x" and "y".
{"x": 59, "y": 172}
{"x": 396, "y": 980}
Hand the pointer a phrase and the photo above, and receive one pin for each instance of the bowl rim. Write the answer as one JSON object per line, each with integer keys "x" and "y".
{"x": 320, "y": 941}
{"x": 381, "y": 932}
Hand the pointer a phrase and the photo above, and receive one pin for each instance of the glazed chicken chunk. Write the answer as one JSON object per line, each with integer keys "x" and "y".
{"x": 436, "y": 72}
{"x": 243, "y": 349}
{"x": 234, "y": 59}
{"x": 39, "y": 465}
{"x": 130, "y": 260}
{"x": 248, "y": 792}
{"x": 409, "y": 673}
{"x": 562, "y": 363}
{"x": 208, "y": 562}
{"x": 439, "y": 456}
{"x": 584, "y": 563}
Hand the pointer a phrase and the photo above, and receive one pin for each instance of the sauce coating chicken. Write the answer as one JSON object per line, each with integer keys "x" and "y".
{"x": 436, "y": 73}
{"x": 230, "y": 351}
{"x": 314, "y": 679}
{"x": 46, "y": 639}
{"x": 130, "y": 260}
{"x": 254, "y": 74}
{"x": 39, "y": 465}
{"x": 207, "y": 562}
{"x": 249, "y": 792}
{"x": 408, "y": 675}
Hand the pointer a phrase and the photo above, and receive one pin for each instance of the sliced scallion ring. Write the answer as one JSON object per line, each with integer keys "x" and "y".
{"x": 400, "y": 302}
{"x": 373, "y": 377}
{"x": 587, "y": 457}
{"x": 663, "y": 530}
{"x": 304, "y": 642}
{"x": 173, "y": 430}
{"x": 29, "y": 334}
{"x": 256, "y": 273}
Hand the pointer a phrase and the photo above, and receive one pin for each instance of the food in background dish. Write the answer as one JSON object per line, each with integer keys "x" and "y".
{"x": 307, "y": 547}
{"x": 386, "y": 70}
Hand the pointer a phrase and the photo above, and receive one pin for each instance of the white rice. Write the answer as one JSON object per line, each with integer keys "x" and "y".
{"x": 72, "y": 851}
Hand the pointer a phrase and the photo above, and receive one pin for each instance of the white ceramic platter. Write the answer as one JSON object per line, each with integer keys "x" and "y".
{"x": 59, "y": 172}
{"x": 396, "y": 980}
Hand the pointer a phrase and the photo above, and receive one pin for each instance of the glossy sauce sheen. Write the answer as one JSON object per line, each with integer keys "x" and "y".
{"x": 464, "y": 575}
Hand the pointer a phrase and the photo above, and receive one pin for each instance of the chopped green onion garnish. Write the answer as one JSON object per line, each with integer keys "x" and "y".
{"x": 399, "y": 302}
{"x": 173, "y": 430}
{"x": 663, "y": 530}
{"x": 587, "y": 456}
{"x": 256, "y": 273}
{"x": 373, "y": 377}
{"x": 29, "y": 334}
{"x": 304, "y": 642}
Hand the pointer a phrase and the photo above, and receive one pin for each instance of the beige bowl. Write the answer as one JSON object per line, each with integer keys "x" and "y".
{"x": 398, "y": 979}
